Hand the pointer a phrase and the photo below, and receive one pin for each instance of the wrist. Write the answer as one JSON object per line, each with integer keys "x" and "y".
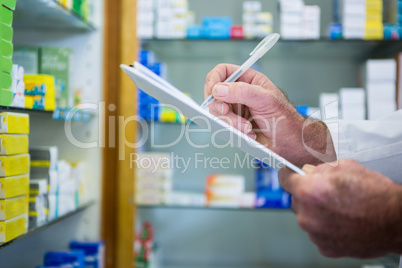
{"x": 396, "y": 216}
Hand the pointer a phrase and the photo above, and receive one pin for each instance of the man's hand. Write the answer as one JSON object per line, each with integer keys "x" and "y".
{"x": 347, "y": 210}
{"x": 255, "y": 106}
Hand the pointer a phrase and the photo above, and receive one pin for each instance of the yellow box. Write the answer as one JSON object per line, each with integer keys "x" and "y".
{"x": 14, "y": 186}
{"x": 11, "y": 144}
{"x": 39, "y": 84}
{"x": 14, "y": 123}
{"x": 12, "y": 207}
{"x": 374, "y": 31}
{"x": 13, "y": 228}
{"x": 14, "y": 165}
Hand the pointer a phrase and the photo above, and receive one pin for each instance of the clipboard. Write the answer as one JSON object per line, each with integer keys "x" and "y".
{"x": 160, "y": 89}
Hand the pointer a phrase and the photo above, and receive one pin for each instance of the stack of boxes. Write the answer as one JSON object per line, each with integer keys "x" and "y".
{"x": 256, "y": 24}
{"x": 153, "y": 178}
{"x": 353, "y": 13}
{"x": 40, "y": 92}
{"x": 6, "y": 51}
{"x": 393, "y": 29}
{"x": 329, "y": 106}
{"x": 224, "y": 190}
{"x": 67, "y": 198}
{"x": 14, "y": 175}
{"x": 374, "y": 20}
{"x": 18, "y": 86}
{"x": 172, "y": 18}
{"x": 311, "y": 22}
{"x": 352, "y": 103}
{"x": 380, "y": 80}
{"x": 292, "y": 19}
{"x": 213, "y": 28}
{"x": 145, "y": 19}
{"x": 43, "y": 185}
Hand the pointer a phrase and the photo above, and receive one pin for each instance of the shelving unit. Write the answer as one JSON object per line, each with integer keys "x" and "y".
{"x": 178, "y": 207}
{"x": 42, "y": 23}
{"x": 46, "y": 225}
{"x": 48, "y": 15}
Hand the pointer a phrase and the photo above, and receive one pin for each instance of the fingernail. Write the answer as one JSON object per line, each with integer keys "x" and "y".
{"x": 308, "y": 168}
{"x": 219, "y": 106}
{"x": 220, "y": 90}
{"x": 252, "y": 135}
{"x": 248, "y": 127}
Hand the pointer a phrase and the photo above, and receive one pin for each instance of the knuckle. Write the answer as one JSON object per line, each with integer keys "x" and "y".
{"x": 304, "y": 223}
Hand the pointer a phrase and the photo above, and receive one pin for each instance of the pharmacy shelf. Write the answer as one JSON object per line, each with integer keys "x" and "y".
{"x": 176, "y": 207}
{"x": 23, "y": 110}
{"x": 50, "y": 223}
{"x": 322, "y": 48}
{"x": 47, "y": 15}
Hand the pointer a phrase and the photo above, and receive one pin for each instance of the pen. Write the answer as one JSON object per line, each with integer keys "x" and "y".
{"x": 261, "y": 49}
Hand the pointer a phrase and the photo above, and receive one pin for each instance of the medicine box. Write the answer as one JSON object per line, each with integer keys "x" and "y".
{"x": 13, "y": 207}
{"x": 37, "y": 218}
{"x": 6, "y": 81}
{"x": 94, "y": 252}
{"x": 37, "y": 202}
{"x": 46, "y": 173}
{"x": 37, "y": 84}
{"x": 9, "y": 3}
{"x": 27, "y": 57}
{"x": 44, "y": 157}
{"x": 6, "y": 15}
{"x": 14, "y": 165}
{"x": 11, "y": 144}
{"x": 6, "y": 48}
{"x": 6, "y": 32}
{"x": 14, "y": 186}
{"x": 13, "y": 228}
{"x": 6, "y": 97}
{"x": 38, "y": 187}
{"x": 14, "y": 123}
{"x": 6, "y": 64}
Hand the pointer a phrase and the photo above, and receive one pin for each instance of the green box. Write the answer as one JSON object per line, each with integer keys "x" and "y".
{"x": 6, "y": 65}
{"x": 5, "y": 81}
{"x": 56, "y": 61}
{"x": 9, "y": 3}
{"x": 6, "y": 32}
{"x": 6, "y": 16}
{"x": 27, "y": 57}
{"x": 6, "y": 97}
{"x": 6, "y": 49}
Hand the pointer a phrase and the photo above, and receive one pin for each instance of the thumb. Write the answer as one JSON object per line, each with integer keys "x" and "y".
{"x": 252, "y": 96}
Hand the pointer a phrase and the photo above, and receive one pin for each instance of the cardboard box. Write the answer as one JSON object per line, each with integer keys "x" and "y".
{"x": 11, "y": 144}
{"x": 14, "y": 165}
{"x": 6, "y": 64}
{"x": 6, "y": 16}
{"x": 14, "y": 186}
{"x": 6, "y": 32}
{"x": 38, "y": 84}
{"x": 6, "y": 81}
{"x": 14, "y": 123}
{"x": 9, "y": 3}
{"x": 6, "y": 97}
{"x": 6, "y": 48}
{"x": 27, "y": 57}
{"x": 38, "y": 186}
{"x": 57, "y": 62}
{"x": 37, "y": 202}
{"x": 37, "y": 218}
{"x": 12, "y": 207}
{"x": 44, "y": 157}
{"x": 46, "y": 173}
{"x": 13, "y": 228}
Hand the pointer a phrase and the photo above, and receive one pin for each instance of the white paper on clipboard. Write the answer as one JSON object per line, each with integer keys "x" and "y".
{"x": 168, "y": 94}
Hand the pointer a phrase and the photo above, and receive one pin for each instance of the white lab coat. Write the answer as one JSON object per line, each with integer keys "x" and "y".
{"x": 376, "y": 144}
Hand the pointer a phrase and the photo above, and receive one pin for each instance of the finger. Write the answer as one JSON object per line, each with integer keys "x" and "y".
{"x": 289, "y": 180}
{"x": 308, "y": 168}
{"x": 222, "y": 71}
{"x": 235, "y": 121}
{"x": 220, "y": 107}
{"x": 252, "y": 96}
{"x": 295, "y": 205}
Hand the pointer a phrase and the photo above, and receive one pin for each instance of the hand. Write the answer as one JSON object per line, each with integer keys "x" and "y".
{"x": 255, "y": 106}
{"x": 347, "y": 210}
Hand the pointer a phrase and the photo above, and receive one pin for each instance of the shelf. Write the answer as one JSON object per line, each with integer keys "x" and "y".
{"x": 47, "y": 14}
{"x": 43, "y": 227}
{"x": 23, "y": 110}
{"x": 210, "y": 208}
{"x": 285, "y": 49}
{"x": 70, "y": 114}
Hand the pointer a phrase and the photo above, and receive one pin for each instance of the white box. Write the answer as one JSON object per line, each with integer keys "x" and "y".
{"x": 381, "y": 91}
{"x": 312, "y": 13}
{"x": 352, "y": 96}
{"x": 252, "y": 6}
{"x": 291, "y": 18}
{"x": 378, "y": 109}
{"x": 291, "y": 6}
{"x": 379, "y": 70}
{"x": 354, "y": 113}
{"x": 291, "y": 31}
{"x": 329, "y": 105}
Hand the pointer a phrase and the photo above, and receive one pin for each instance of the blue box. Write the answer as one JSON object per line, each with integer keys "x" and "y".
{"x": 392, "y": 32}
{"x": 335, "y": 31}
{"x": 217, "y": 27}
{"x": 74, "y": 258}
{"x": 94, "y": 252}
{"x": 195, "y": 32}
{"x": 269, "y": 193}
{"x": 146, "y": 57}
